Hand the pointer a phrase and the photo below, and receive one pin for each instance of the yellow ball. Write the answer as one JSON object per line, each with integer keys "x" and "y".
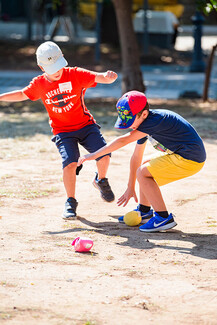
{"x": 133, "y": 218}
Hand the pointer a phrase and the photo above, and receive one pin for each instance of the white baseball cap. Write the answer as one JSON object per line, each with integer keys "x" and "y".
{"x": 50, "y": 57}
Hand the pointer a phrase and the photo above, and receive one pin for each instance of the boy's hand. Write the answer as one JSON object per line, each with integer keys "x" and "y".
{"x": 82, "y": 159}
{"x": 106, "y": 78}
{"x": 126, "y": 196}
{"x": 110, "y": 75}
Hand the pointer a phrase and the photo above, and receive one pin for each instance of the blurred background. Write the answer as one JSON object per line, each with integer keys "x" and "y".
{"x": 176, "y": 42}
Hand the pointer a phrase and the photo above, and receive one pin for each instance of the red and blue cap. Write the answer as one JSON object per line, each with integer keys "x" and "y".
{"x": 128, "y": 106}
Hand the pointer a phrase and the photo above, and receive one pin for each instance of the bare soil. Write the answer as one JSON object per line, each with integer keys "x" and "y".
{"x": 128, "y": 277}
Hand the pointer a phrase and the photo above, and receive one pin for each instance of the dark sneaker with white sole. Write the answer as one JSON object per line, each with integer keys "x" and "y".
{"x": 157, "y": 223}
{"x": 70, "y": 209}
{"x": 105, "y": 190}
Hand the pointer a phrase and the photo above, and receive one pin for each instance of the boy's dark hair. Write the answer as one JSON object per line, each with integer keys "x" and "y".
{"x": 146, "y": 108}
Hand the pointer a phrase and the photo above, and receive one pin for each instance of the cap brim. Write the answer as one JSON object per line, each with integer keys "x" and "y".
{"x": 53, "y": 68}
{"x": 120, "y": 124}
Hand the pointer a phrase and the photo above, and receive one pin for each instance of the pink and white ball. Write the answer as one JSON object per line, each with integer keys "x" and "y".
{"x": 82, "y": 244}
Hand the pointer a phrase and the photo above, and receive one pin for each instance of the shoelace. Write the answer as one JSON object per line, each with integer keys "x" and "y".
{"x": 104, "y": 183}
{"x": 71, "y": 205}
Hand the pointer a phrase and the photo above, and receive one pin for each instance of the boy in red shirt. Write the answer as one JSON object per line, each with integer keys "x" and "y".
{"x": 62, "y": 90}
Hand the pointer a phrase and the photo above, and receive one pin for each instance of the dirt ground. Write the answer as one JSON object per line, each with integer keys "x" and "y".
{"x": 128, "y": 278}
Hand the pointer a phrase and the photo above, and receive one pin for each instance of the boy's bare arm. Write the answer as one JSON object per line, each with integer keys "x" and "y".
{"x": 106, "y": 78}
{"x": 114, "y": 145}
{"x": 13, "y": 96}
{"x": 135, "y": 162}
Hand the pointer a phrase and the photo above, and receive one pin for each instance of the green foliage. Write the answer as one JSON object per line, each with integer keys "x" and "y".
{"x": 56, "y": 3}
{"x": 207, "y": 6}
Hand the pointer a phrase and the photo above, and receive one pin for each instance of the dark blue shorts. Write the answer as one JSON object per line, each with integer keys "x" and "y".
{"x": 89, "y": 137}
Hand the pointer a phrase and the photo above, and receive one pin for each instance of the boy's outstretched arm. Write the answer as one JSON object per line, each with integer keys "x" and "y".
{"x": 106, "y": 78}
{"x": 13, "y": 96}
{"x": 135, "y": 162}
{"x": 113, "y": 146}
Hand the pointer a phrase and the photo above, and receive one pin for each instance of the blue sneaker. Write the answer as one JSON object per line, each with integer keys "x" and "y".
{"x": 144, "y": 216}
{"x": 157, "y": 223}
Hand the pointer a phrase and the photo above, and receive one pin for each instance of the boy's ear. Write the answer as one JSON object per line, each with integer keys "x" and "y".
{"x": 145, "y": 114}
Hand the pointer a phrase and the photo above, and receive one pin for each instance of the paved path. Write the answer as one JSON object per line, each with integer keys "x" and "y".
{"x": 168, "y": 82}
{"x": 161, "y": 82}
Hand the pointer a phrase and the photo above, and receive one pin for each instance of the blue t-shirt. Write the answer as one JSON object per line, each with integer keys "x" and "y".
{"x": 171, "y": 132}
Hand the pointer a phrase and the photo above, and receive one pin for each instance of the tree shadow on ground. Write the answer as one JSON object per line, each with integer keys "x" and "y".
{"x": 205, "y": 245}
{"x": 24, "y": 128}
{"x": 25, "y": 119}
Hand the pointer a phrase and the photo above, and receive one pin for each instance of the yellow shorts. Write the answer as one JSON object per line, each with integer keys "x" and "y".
{"x": 167, "y": 168}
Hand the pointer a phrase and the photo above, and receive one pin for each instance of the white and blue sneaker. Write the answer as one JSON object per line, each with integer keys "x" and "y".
{"x": 144, "y": 216}
{"x": 157, "y": 223}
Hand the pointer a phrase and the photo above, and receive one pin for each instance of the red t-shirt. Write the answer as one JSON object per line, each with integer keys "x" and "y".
{"x": 64, "y": 99}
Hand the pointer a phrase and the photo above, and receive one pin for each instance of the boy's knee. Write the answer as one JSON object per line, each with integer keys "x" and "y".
{"x": 138, "y": 173}
{"x": 142, "y": 172}
{"x": 70, "y": 167}
{"x": 104, "y": 158}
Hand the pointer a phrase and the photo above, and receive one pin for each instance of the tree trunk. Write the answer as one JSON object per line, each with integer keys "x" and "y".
{"x": 208, "y": 73}
{"x": 131, "y": 74}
